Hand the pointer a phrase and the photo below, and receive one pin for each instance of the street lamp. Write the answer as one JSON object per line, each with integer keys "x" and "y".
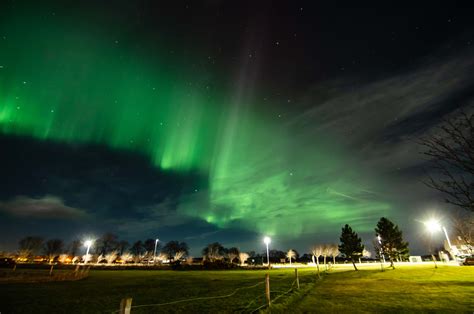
{"x": 433, "y": 225}
{"x": 154, "y": 252}
{"x": 267, "y": 241}
{"x": 87, "y": 244}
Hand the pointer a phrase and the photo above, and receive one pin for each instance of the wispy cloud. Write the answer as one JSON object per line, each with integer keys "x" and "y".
{"x": 47, "y": 207}
{"x": 152, "y": 217}
{"x": 380, "y": 119}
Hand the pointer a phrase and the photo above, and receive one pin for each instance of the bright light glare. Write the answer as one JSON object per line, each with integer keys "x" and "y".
{"x": 88, "y": 243}
{"x": 267, "y": 240}
{"x": 433, "y": 225}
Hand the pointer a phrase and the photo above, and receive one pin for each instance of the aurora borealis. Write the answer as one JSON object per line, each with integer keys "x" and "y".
{"x": 294, "y": 163}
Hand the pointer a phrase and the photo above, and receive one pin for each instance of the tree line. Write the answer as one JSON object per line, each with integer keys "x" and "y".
{"x": 108, "y": 249}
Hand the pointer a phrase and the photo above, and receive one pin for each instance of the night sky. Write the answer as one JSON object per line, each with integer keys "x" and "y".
{"x": 224, "y": 120}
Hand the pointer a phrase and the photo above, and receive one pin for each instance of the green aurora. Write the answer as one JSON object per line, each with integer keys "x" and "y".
{"x": 82, "y": 86}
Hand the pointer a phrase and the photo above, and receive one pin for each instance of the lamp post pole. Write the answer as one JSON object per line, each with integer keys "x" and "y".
{"x": 433, "y": 225}
{"x": 154, "y": 252}
{"x": 88, "y": 244}
{"x": 267, "y": 241}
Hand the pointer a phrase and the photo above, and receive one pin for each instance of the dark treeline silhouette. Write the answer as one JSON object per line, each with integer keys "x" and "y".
{"x": 388, "y": 243}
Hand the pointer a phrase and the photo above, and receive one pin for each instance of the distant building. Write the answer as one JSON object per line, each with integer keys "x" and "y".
{"x": 415, "y": 259}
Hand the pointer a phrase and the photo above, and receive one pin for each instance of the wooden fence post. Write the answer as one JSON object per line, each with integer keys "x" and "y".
{"x": 297, "y": 278}
{"x": 14, "y": 267}
{"x": 125, "y": 306}
{"x": 267, "y": 288}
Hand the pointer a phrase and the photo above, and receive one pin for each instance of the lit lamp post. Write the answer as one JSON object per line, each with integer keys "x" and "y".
{"x": 267, "y": 241}
{"x": 433, "y": 225}
{"x": 87, "y": 244}
{"x": 154, "y": 252}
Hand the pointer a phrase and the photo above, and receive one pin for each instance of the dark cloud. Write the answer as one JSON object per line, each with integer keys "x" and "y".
{"x": 47, "y": 207}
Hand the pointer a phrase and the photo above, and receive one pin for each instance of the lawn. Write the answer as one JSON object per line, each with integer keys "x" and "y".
{"x": 103, "y": 290}
{"x": 403, "y": 290}
{"x": 406, "y": 289}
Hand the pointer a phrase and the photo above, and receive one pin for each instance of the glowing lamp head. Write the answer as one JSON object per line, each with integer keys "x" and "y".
{"x": 433, "y": 225}
{"x": 156, "y": 241}
{"x": 88, "y": 243}
{"x": 267, "y": 240}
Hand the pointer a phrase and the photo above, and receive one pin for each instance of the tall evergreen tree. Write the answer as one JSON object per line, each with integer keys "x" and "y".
{"x": 351, "y": 245}
{"x": 391, "y": 240}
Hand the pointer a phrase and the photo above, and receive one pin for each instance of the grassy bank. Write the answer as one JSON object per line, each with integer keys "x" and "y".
{"x": 404, "y": 290}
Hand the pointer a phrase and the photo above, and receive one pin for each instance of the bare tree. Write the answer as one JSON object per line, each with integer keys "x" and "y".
{"x": 171, "y": 248}
{"x": 325, "y": 253}
{"x": 317, "y": 251}
{"x": 290, "y": 255}
{"x": 107, "y": 243}
{"x": 213, "y": 252}
{"x": 243, "y": 257}
{"x": 63, "y": 258}
{"x": 162, "y": 257}
{"x": 334, "y": 252}
{"x": 463, "y": 225}
{"x": 179, "y": 255}
{"x": 111, "y": 257}
{"x": 451, "y": 152}
{"x": 30, "y": 245}
{"x": 101, "y": 258}
{"x": 53, "y": 248}
{"x": 232, "y": 254}
{"x": 126, "y": 257}
{"x": 74, "y": 247}
{"x": 123, "y": 246}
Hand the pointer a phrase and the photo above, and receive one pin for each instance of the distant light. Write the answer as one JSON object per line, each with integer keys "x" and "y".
{"x": 88, "y": 243}
{"x": 267, "y": 240}
{"x": 433, "y": 225}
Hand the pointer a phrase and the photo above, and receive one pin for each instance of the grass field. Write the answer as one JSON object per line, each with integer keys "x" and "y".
{"x": 103, "y": 290}
{"x": 406, "y": 289}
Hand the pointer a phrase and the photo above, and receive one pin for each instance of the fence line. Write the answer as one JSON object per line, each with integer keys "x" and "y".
{"x": 266, "y": 294}
{"x": 199, "y": 298}
{"x": 252, "y": 302}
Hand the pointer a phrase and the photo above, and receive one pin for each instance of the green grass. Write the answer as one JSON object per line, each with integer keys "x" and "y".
{"x": 103, "y": 290}
{"x": 406, "y": 289}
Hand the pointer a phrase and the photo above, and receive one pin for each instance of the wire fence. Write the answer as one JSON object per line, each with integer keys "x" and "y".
{"x": 261, "y": 301}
